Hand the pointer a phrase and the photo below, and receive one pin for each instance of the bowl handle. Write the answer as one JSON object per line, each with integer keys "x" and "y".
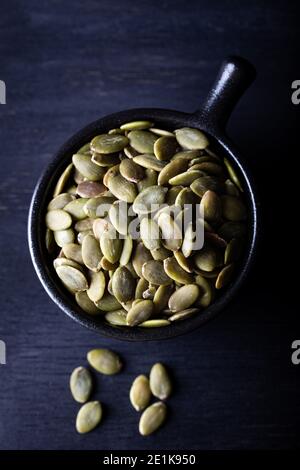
{"x": 235, "y": 76}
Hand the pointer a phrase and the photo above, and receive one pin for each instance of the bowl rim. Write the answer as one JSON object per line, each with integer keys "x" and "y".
{"x": 60, "y": 160}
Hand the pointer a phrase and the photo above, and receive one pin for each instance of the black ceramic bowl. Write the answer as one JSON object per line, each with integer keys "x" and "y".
{"x": 235, "y": 76}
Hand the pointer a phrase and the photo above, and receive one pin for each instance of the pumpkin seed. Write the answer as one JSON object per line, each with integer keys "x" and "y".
{"x": 160, "y": 382}
{"x": 62, "y": 237}
{"x": 161, "y": 297}
{"x": 118, "y": 214}
{"x": 84, "y": 164}
{"x": 105, "y": 159}
{"x": 141, "y": 255}
{"x": 63, "y": 180}
{"x": 233, "y": 208}
{"x": 85, "y": 149}
{"x": 187, "y": 155}
{"x": 153, "y": 271}
{"x": 140, "y": 393}
{"x": 72, "y": 278}
{"x": 150, "y": 234}
{"x": 140, "y": 312}
{"x": 110, "y": 173}
{"x": 131, "y": 171}
{"x": 231, "y": 230}
{"x": 149, "y": 200}
{"x": 175, "y": 271}
{"x": 130, "y": 152}
{"x": 188, "y": 241}
{"x": 186, "y": 178}
{"x": 97, "y": 286}
{"x": 111, "y": 246}
{"x": 88, "y": 417}
{"x": 104, "y": 361}
{"x": 184, "y": 297}
{"x": 122, "y": 189}
{"x": 126, "y": 251}
{"x": 233, "y": 251}
{"x": 90, "y": 189}
{"x": 141, "y": 286}
{"x": 233, "y": 174}
{"x": 152, "y": 418}
{"x": 108, "y": 143}
{"x": 142, "y": 141}
{"x": 149, "y": 180}
{"x": 58, "y": 219}
{"x": 171, "y": 234}
{"x": 76, "y": 208}
{"x": 91, "y": 253}
{"x": 208, "y": 259}
{"x": 81, "y": 384}
{"x": 100, "y": 226}
{"x": 62, "y": 261}
{"x": 205, "y": 183}
{"x": 50, "y": 242}
{"x": 183, "y": 314}
{"x": 172, "y": 169}
{"x": 231, "y": 188}
{"x": 183, "y": 262}
{"x": 191, "y": 139}
{"x": 210, "y": 206}
{"x": 123, "y": 285}
{"x": 211, "y": 168}
{"x": 161, "y": 132}
{"x": 185, "y": 197}
{"x": 98, "y": 206}
{"x": 224, "y": 276}
{"x": 136, "y": 125}
{"x": 165, "y": 147}
{"x": 60, "y": 201}
{"x": 155, "y": 323}
{"x": 149, "y": 293}
{"x": 84, "y": 224}
{"x": 161, "y": 253}
{"x": 108, "y": 303}
{"x": 149, "y": 161}
{"x": 86, "y": 304}
{"x": 116, "y": 317}
{"x": 207, "y": 293}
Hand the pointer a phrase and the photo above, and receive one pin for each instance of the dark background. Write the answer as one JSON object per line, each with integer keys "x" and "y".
{"x": 68, "y": 63}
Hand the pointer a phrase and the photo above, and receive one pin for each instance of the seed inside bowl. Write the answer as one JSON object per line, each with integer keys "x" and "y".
{"x": 146, "y": 225}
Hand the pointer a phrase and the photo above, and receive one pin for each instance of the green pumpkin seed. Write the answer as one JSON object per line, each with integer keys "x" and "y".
{"x": 141, "y": 286}
{"x": 171, "y": 233}
{"x": 141, "y": 255}
{"x": 149, "y": 161}
{"x": 152, "y": 418}
{"x": 118, "y": 214}
{"x": 130, "y": 152}
{"x": 231, "y": 230}
{"x": 161, "y": 253}
{"x": 161, "y": 297}
{"x": 104, "y": 361}
{"x": 172, "y": 195}
{"x": 63, "y": 180}
{"x": 172, "y": 169}
{"x": 72, "y": 278}
{"x": 160, "y": 382}
{"x": 142, "y": 141}
{"x": 153, "y": 271}
{"x": 76, "y": 208}
{"x": 62, "y": 237}
{"x": 183, "y": 314}
{"x": 131, "y": 171}
{"x": 233, "y": 209}
{"x": 140, "y": 393}
{"x": 90, "y": 189}
{"x": 175, "y": 271}
{"x": 150, "y": 234}
{"x": 98, "y": 206}
{"x": 122, "y": 189}
{"x": 232, "y": 174}
{"x": 231, "y": 189}
{"x": 108, "y": 303}
{"x": 149, "y": 200}
{"x": 211, "y": 168}
{"x": 207, "y": 293}
{"x": 185, "y": 197}
{"x": 126, "y": 251}
{"x": 205, "y": 183}
{"x": 136, "y": 125}
{"x": 97, "y": 286}
{"x": 62, "y": 261}
{"x": 111, "y": 246}
{"x": 208, "y": 259}
{"x": 81, "y": 384}
{"x": 84, "y": 224}
{"x": 140, "y": 312}
{"x": 105, "y": 159}
{"x": 60, "y": 201}
{"x": 100, "y": 226}
{"x": 165, "y": 147}
{"x": 184, "y": 297}
{"x": 123, "y": 285}
{"x": 155, "y": 323}
{"x": 225, "y": 276}
{"x": 109, "y": 143}
{"x": 150, "y": 179}
{"x": 84, "y": 164}
{"x": 58, "y": 219}
{"x": 88, "y": 417}
{"x": 183, "y": 262}
{"x": 110, "y": 173}
{"x": 149, "y": 293}
{"x": 116, "y": 317}
{"x": 50, "y": 242}
{"x": 161, "y": 132}
{"x": 78, "y": 177}
{"x": 186, "y": 178}
{"x": 116, "y": 131}
{"x": 91, "y": 253}
{"x": 191, "y": 139}
{"x": 187, "y": 155}
{"x": 233, "y": 250}
{"x": 210, "y": 206}
{"x": 86, "y": 304}
{"x": 85, "y": 149}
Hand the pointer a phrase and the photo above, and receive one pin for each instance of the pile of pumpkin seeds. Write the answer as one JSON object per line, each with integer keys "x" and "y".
{"x": 159, "y": 385}
{"x": 115, "y": 231}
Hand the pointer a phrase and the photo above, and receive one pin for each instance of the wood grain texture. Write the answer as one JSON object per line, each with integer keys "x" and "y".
{"x": 68, "y": 63}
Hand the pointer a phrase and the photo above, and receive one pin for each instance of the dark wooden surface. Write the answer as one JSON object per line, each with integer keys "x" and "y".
{"x": 68, "y": 63}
